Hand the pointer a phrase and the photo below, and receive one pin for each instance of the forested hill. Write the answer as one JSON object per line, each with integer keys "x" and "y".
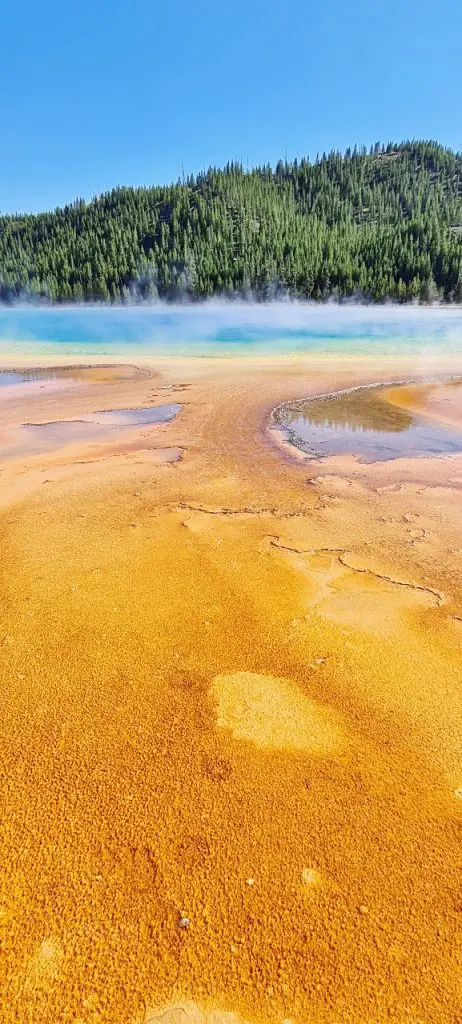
{"x": 378, "y": 224}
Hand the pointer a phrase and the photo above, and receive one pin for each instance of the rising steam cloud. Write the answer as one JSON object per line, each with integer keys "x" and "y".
{"x": 223, "y": 328}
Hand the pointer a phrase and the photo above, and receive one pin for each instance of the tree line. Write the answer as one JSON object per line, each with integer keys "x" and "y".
{"x": 378, "y": 224}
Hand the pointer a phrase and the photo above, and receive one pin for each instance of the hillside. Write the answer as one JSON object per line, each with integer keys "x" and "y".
{"x": 379, "y": 224}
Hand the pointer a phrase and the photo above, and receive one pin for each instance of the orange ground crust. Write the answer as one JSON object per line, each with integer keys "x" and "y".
{"x": 141, "y": 786}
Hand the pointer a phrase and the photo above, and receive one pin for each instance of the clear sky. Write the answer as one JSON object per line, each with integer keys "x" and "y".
{"x": 96, "y": 94}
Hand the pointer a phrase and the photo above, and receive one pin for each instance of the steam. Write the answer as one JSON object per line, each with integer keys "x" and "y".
{"x": 219, "y": 327}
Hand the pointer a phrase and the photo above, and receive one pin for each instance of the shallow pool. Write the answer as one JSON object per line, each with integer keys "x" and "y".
{"x": 362, "y": 422}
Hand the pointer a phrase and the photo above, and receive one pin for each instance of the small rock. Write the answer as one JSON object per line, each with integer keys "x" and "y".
{"x": 184, "y": 922}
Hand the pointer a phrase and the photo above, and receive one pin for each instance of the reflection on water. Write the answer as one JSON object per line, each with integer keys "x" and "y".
{"x": 131, "y": 417}
{"x": 37, "y": 438}
{"x": 362, "y": 422}
{"x": 102, "y": 373}
{"x": 8, "y": 378}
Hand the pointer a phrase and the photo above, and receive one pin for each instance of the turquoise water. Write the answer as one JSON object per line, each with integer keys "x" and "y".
{"x": 217, "y": 328}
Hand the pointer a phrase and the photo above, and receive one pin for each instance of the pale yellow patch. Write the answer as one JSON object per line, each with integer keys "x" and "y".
{"x": 366, "y": 602}
{"x": 311, "y": 878}
{"x": 356, "y": 595}
{"x": 273, "y": 713}
{"x": 44, "y": 965}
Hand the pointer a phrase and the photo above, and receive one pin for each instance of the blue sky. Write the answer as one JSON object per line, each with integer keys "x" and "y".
{"x": 97, "y": 94}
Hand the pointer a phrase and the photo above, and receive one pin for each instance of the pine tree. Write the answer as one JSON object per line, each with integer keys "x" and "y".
{"x": 387, "y": 223}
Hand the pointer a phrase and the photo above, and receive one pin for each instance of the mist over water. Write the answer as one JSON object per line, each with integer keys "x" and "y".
{"x": 227, "y": 328}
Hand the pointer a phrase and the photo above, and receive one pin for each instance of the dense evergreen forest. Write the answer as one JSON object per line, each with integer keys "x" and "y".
{"x": 384, "y": 223}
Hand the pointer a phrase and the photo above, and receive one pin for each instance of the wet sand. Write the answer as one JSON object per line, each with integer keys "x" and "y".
{"x": 171, "y": 848}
